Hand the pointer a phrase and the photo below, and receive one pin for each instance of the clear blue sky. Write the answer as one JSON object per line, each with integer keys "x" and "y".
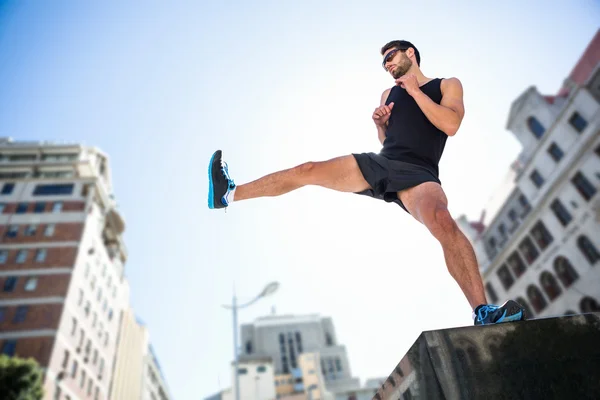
{"x": 160, "y": 86}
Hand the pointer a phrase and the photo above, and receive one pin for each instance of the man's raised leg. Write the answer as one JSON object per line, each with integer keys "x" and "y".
{"x": 428, "y": 204}
{"x": 340, "y": 173}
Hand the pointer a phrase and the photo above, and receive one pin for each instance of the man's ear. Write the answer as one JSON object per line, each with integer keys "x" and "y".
{"x": 410, "y": 52}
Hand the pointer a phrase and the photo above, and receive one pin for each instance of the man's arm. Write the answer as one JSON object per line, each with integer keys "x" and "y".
{"x": 448, "y": 115}
{"x": 381, "y": 129}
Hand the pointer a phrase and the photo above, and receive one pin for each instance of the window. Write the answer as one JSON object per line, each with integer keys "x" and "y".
{"x": 583, "y": 186}
{"x": 3, "y": 256}
{"x": 261, "y": 369}
{"x": 525, "y": 204}
{"x": 505, "y": 277}
{"x": 491, "y": 292}
{"x": 560, "y": 211}
{"x": 537, "y": 179}
{"x": 21, "y": 256}
{"x": 74, "y": 328}
{"x": 597, "y": 151}
{"x": 578, "y": 122}
{"x": 555, "y": 152}
{"x": 53, "y": 190}
{"x": 40, "y": 255}
{"x": 565, "y": 271}
{"x": 39, "y": 207}
{"x": 82, "y": 381}
{"x": 535, "y": 127}
{"x": 74, "y": 369}
{"x": 528, "y": 250}
{"x": 542, "y": 236}
{"x": 502, "y": 231}
{"x": 7, "y": 188}
{"x": 516, "y": 264}
{"x": 31, "y": 284}
{"x": 49, "y": 230}
{"x": 21, "y": 208}
{"x": 9, "y": 347}
{"x": 2, "y": 313}
{"x": 588, "y": 249}
{"x": 65, "y": 359}
{"x": 536, "y": 298}
{"x": 10, "y": 283}
{"x": 57, "y": 207}
{"x": 30, "y": 230}
{"x": 2, "y": 207}
{"x": 20, "y": 314}
{"x": 12, "y": 231}
{"x": 550, "y": 285}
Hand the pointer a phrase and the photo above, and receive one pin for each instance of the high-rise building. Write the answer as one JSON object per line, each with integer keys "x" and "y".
{"x": 137, "y": 373}
{"x": 284, "y": 338}
{"x": 62, "y": 257}
{"x": 541, "y": 245}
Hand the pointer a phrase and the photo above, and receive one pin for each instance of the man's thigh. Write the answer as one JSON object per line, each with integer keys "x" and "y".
{"x": 422, "y": 200}
{"x": 341, "y": 173}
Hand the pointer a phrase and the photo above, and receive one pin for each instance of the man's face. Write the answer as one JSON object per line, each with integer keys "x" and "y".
{"x": 396, "y": 62}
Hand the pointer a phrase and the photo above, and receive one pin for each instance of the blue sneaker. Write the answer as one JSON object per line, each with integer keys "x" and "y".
{"x": 486, "y": 314}
{"x": 220, "y": 185}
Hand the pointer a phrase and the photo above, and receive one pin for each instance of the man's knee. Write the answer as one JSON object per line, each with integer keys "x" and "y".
{"x": 305, "y": 169}
{"x": 439, "y": 221}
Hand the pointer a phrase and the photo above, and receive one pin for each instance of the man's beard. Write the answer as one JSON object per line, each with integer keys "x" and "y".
{"x": 402, "y": 67}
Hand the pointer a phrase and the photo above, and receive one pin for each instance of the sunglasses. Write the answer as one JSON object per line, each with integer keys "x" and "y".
{"x": 391, "y": 55}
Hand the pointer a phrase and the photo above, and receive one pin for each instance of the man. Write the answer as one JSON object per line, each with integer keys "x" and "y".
{"x": 414, "y": 119}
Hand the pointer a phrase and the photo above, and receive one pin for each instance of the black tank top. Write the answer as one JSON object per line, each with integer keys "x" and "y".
{"x": 410, "y": 137}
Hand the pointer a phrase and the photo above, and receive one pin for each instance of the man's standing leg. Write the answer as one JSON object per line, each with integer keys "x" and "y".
{"x": 428, "y": 204}
{"x": 340, "y": 173}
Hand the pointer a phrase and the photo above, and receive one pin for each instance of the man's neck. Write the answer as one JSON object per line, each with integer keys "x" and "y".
{"x": 420, "y": 77}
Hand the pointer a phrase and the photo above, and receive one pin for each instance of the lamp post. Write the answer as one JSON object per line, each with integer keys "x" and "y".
{"x": 268, "y": 290}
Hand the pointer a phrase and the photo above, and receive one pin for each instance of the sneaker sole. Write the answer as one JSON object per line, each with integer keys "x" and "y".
{"x": 211, "y": 200}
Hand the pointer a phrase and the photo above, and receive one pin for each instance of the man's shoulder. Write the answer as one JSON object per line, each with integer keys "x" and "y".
{"x": 450, "y": 82}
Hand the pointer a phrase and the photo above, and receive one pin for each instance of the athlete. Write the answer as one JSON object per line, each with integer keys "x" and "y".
{"x": 414, "y": 119}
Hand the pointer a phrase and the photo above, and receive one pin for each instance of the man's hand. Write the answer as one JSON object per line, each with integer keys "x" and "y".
{"x": 410, "y": 83}
{"x": 382, "y": 114}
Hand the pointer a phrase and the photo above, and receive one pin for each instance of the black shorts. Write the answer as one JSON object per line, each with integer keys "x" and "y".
{"x": 387, "y": 177}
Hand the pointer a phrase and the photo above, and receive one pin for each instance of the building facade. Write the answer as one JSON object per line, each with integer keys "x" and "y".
{"x": 542, "y": 244}
{"x": 137, "y": 373}
{"x": 285, "y": 338}
{"x": 62, "y": 257}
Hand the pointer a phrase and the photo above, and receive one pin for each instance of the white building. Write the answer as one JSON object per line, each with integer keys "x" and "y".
{"x": 137, "y": 373}
{"x": 542, "y": 244}
{"x": 283, "y": 338}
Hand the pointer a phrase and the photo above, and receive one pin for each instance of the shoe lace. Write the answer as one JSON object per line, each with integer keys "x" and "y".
{"x": 484, "y": 311}
{"x": 225, "y": 170}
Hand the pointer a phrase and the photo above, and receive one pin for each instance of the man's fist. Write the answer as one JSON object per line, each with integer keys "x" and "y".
{"x": 382, "y": 114}
{"x": 408, "y": 82}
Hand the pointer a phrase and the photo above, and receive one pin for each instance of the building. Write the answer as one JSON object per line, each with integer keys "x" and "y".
{"x": 63, "y": 291}
{"x": 137, "y": 372}
{"x": 285, "y": 338}
{"x": 541, "y": 246}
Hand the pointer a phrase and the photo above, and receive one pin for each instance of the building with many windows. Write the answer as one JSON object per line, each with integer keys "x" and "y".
{"x": 541, "y": 246}
{"x": 284, "y": 338}
{"x": 62, "y": 257}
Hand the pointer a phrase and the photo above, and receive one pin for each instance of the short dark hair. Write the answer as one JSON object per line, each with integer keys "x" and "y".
{"x": 402, "y": 45}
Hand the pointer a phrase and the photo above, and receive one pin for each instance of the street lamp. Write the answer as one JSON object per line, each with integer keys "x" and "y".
{"x": 268, "y": 290}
